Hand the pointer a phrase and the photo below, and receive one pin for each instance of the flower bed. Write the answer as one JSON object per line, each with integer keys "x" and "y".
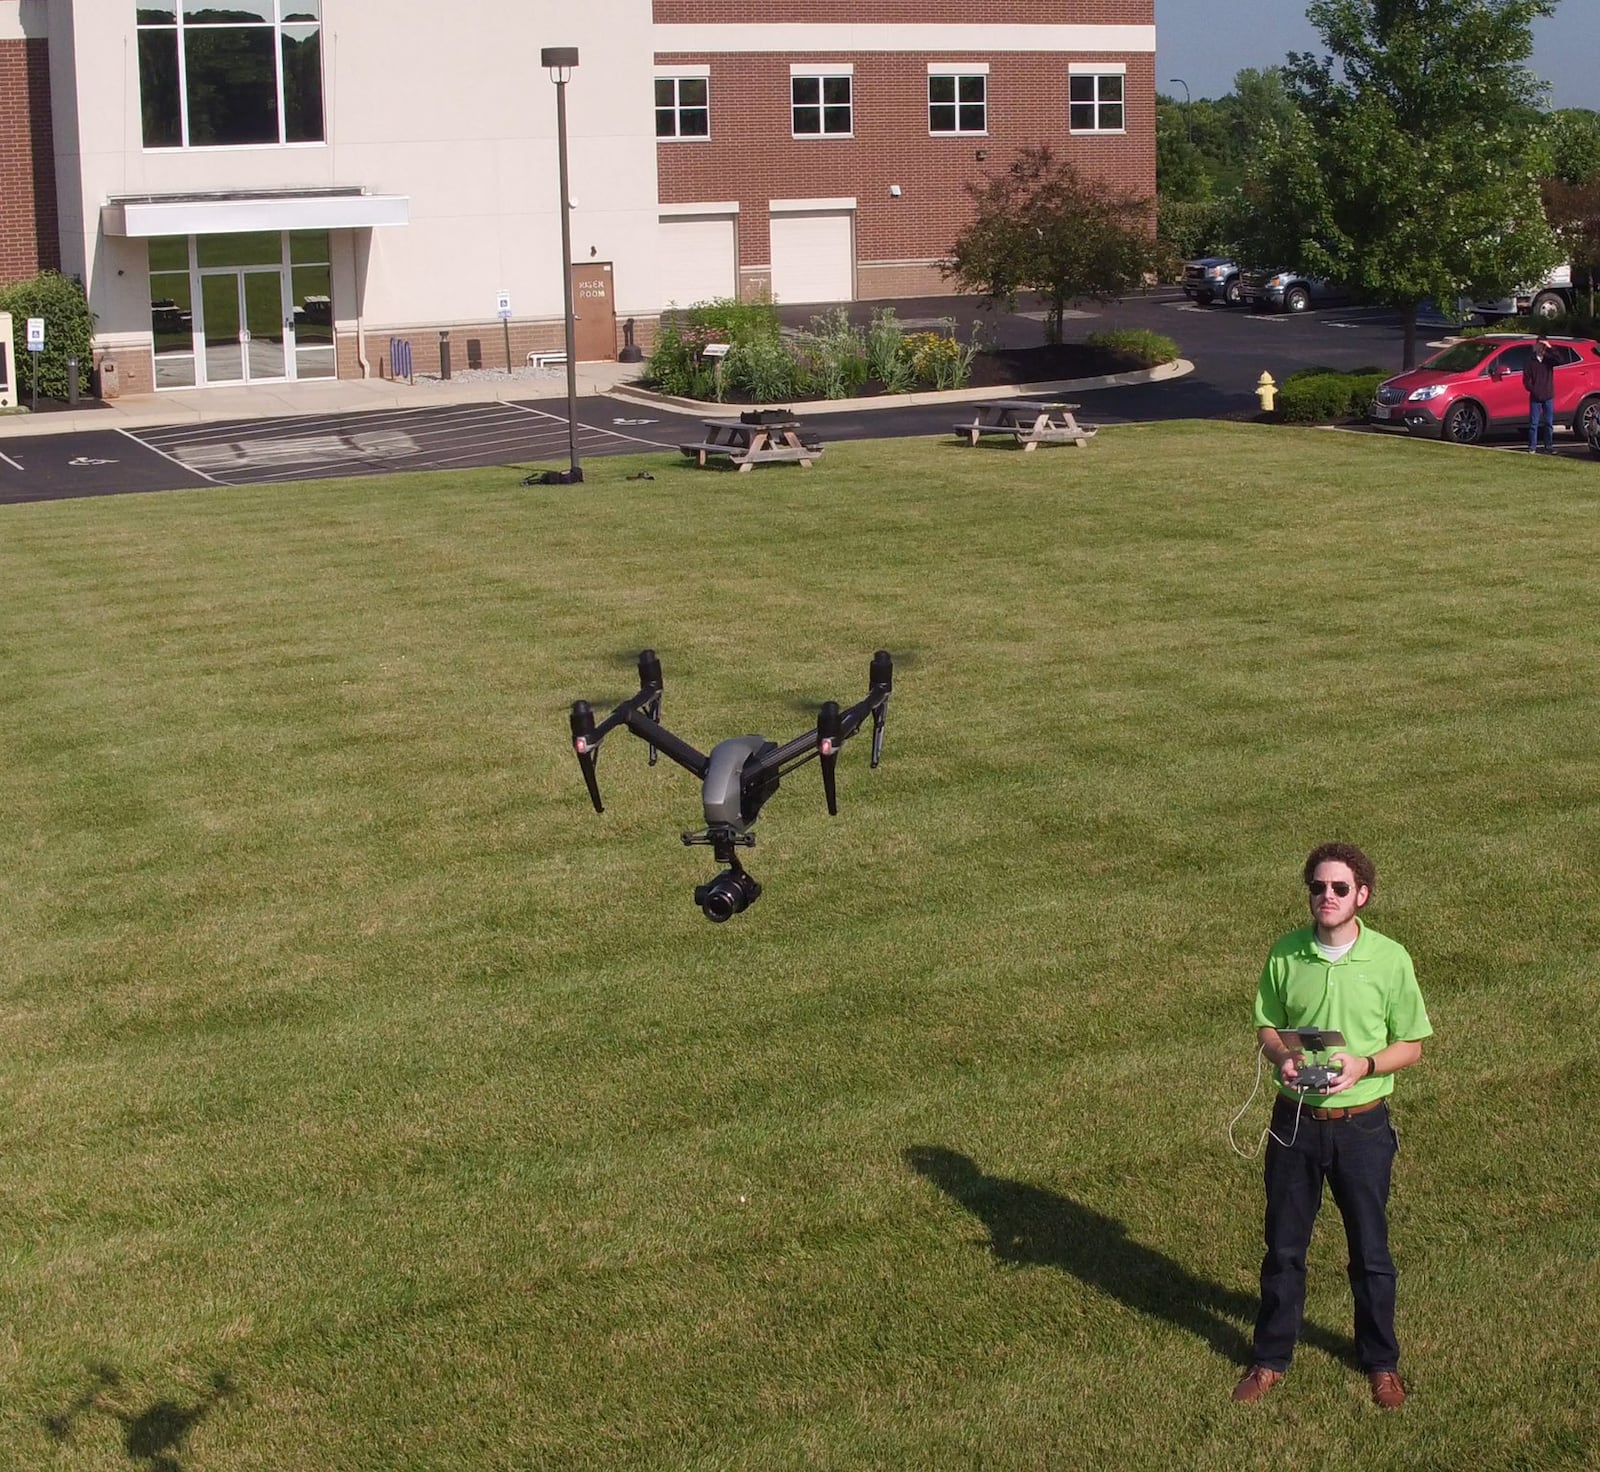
{"x": 832, "y": 359}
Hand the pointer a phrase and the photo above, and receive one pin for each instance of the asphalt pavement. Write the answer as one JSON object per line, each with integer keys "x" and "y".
{"x": 1229, "y": 347}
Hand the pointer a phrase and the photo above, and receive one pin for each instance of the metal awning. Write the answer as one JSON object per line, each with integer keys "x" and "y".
{"x": 238, "y": 211}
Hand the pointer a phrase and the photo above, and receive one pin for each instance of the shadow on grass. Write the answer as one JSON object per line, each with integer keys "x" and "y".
{"x": 152, "y": 1437}
{"x": 1031, "y": 1227}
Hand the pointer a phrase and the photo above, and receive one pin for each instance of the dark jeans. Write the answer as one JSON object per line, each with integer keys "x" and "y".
{"x": 1541, "y": 411}
{"x": 1354, "y": 1157}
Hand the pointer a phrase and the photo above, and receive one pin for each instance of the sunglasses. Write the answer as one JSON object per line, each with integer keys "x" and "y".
{"x": 1320, "y": 887}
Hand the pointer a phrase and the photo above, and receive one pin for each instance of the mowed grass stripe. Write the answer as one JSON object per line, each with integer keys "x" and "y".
{"x": 350, "y": 1057}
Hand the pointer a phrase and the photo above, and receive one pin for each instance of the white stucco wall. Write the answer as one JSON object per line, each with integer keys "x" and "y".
{"x": 444, "y": 104}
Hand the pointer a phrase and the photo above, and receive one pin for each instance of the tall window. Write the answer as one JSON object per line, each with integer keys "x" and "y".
{"x": 1095, "y": 102}
{"x": 820, "y": 105}
{"x": 683, "y": 107}
{"x": 958, "y": 102}
{"x": 214, "y": 73}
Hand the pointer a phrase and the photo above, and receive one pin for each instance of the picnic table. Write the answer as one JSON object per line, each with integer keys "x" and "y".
{"x": 746, "y": 444}
{"x": 1030, "y": 422}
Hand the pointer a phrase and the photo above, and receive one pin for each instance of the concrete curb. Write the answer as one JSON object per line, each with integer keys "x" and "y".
{"x": 311, "y": 399}
{"x": 1178, "y": 368}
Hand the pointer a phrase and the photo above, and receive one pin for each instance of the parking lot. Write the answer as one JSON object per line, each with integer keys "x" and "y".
{"x": 1230, "y": 348}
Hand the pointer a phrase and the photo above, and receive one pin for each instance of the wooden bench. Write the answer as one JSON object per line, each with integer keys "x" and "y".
{"x": 749, "y": 445}
{"x": 1027, "y": 422}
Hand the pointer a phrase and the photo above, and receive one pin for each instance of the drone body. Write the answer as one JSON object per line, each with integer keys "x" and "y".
{"x": 740, "y": 774}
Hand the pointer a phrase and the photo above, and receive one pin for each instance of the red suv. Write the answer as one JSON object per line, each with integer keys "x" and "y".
{"x": 1474, "y": 388}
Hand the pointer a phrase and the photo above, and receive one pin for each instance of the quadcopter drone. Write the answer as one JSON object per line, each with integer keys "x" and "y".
{"x": 740, "y": 774}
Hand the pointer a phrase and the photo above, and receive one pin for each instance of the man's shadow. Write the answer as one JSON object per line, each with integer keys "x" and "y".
{"x": 1032, "y": 1227}
{"x": 153, "y": 1436}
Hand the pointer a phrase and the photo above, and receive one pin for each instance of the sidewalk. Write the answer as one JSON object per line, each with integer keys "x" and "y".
{"x": 318, "y": 396}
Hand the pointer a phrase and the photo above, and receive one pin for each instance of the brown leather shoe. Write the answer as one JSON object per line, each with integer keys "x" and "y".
{"x": 1387, "y": 1391}
{"x": 1258, "y": 1380}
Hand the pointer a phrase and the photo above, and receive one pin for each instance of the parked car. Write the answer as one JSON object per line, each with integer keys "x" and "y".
{"x": 1288, "y": 291}
{"x": 1474, "y": 388}
{"x": 1211, "y": 277}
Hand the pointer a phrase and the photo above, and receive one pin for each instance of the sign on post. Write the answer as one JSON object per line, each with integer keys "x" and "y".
{"x": 502, "y": 307}
{"x": 35, "y": 347}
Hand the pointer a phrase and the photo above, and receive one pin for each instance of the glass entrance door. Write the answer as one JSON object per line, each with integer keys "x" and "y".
{"x": 245, "y": 337}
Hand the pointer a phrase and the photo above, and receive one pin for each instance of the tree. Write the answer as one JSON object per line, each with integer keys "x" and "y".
{"x": 1041, "y": 226}
{"x": 1411, "y": 172}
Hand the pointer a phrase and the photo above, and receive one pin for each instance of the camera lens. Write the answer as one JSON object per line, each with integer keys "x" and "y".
{"x": 727, "y": 895}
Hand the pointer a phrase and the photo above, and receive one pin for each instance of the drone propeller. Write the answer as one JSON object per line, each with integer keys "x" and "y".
{"x": 830, "y": 736}
{"x": 582, "y": 732}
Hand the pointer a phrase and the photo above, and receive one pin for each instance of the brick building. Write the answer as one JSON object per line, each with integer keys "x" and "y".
{"x": 266, "y": 190}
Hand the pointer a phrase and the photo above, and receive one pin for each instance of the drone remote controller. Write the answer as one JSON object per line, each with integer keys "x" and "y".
{"x": 1315, "y": 1078}
{"x": 740, "y": 774}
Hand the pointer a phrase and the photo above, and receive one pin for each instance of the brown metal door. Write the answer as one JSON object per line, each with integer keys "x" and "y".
{"x": 595, "y": 312}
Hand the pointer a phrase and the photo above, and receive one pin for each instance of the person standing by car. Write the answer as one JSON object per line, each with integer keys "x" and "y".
{"x": 1336, "y": 974}
{"x": 1539, "y": 378}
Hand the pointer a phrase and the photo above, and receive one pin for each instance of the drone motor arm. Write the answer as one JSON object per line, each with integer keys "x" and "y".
{"x": 641, "y": 714}
{"x": 834, "y": 727}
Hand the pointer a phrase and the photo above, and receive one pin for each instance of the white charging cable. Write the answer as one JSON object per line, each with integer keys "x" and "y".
{"x": 1261, "y": 1057}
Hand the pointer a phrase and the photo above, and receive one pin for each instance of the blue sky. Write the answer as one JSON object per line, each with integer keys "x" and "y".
{"x": 1207, "y": 41}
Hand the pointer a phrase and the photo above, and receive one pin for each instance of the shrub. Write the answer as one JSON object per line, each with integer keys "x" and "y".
{"x": 941, "y": 360}
{"x": 1321, "y": 395}
{"x": 1147, "y": 349}
{"x": 832, "y": 356}
{"x": 68, "y": 331}
{"x": 888, "y": 359}
{"x": 1571, "y": 324}
{"x": 764, "y": 369}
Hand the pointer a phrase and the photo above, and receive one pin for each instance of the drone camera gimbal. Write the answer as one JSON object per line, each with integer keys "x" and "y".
{"x": 740, "y": 774}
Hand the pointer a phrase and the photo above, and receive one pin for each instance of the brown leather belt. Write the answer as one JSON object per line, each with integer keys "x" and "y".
{"x": 1329, "y": 1114}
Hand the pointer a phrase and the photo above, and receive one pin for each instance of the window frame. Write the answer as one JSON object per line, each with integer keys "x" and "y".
{"x": 677, "y": 76}
{"x": 821, "y": 73}
{"x": 1097, "y": 73}
{"x": 283, "y": 21}
{"x": 958, "y": 72}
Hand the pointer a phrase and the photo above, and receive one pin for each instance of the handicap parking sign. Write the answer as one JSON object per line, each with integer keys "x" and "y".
{"x": 35, "y": 334}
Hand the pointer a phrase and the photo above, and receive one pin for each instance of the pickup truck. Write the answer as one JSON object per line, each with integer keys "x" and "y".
{"x": 1553, "y": 297}
{"x": 1289, "y": 291}
{"x": 1210, "y": 277}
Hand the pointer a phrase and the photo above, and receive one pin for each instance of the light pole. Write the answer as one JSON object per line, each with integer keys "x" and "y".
{"x": 1188, "y": 129}
{"x": 559, "y": 61}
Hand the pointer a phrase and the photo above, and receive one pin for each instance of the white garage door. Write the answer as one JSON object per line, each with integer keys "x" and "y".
{"x": 698, "y": 258}
{"x": 813, "y": 257}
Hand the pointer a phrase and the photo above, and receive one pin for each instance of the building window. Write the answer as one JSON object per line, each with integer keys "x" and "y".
{"x": 958, "y": 102}
{"x": 683, "y": 107}
{"x": 1096, "y": 102}
{"x": 221, "y": 73}
{"x": 820, "y": 106}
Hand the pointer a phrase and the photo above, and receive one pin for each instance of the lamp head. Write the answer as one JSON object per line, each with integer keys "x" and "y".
{"x": 559, "y": 61}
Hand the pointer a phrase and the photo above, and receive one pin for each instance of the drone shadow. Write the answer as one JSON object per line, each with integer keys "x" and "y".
{"x": 1031, "y": 1227}
{"x": 152, "y": 1437}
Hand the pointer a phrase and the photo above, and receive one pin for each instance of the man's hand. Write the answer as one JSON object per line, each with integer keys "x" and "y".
{"x": 1351, "y": 1071}
{"x": 1289, "y": 1069}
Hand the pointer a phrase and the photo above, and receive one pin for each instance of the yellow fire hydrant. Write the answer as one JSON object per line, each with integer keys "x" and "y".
{"x": 1267, "y": 392}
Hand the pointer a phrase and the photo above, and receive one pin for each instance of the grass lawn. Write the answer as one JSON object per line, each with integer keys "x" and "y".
{"x": 369, "y": 1102}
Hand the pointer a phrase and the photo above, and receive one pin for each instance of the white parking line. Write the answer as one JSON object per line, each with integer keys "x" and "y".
{"x": 12, "y": 463}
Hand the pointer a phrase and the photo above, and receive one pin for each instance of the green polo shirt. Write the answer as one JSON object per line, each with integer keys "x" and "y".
{"x": 1370, "y": 995}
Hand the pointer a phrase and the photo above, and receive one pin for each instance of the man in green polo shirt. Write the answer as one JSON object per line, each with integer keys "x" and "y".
{"x": 1336, "y": 975}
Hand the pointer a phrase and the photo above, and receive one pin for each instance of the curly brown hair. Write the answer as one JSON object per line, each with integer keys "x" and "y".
{"x": 1344, "y": 853}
